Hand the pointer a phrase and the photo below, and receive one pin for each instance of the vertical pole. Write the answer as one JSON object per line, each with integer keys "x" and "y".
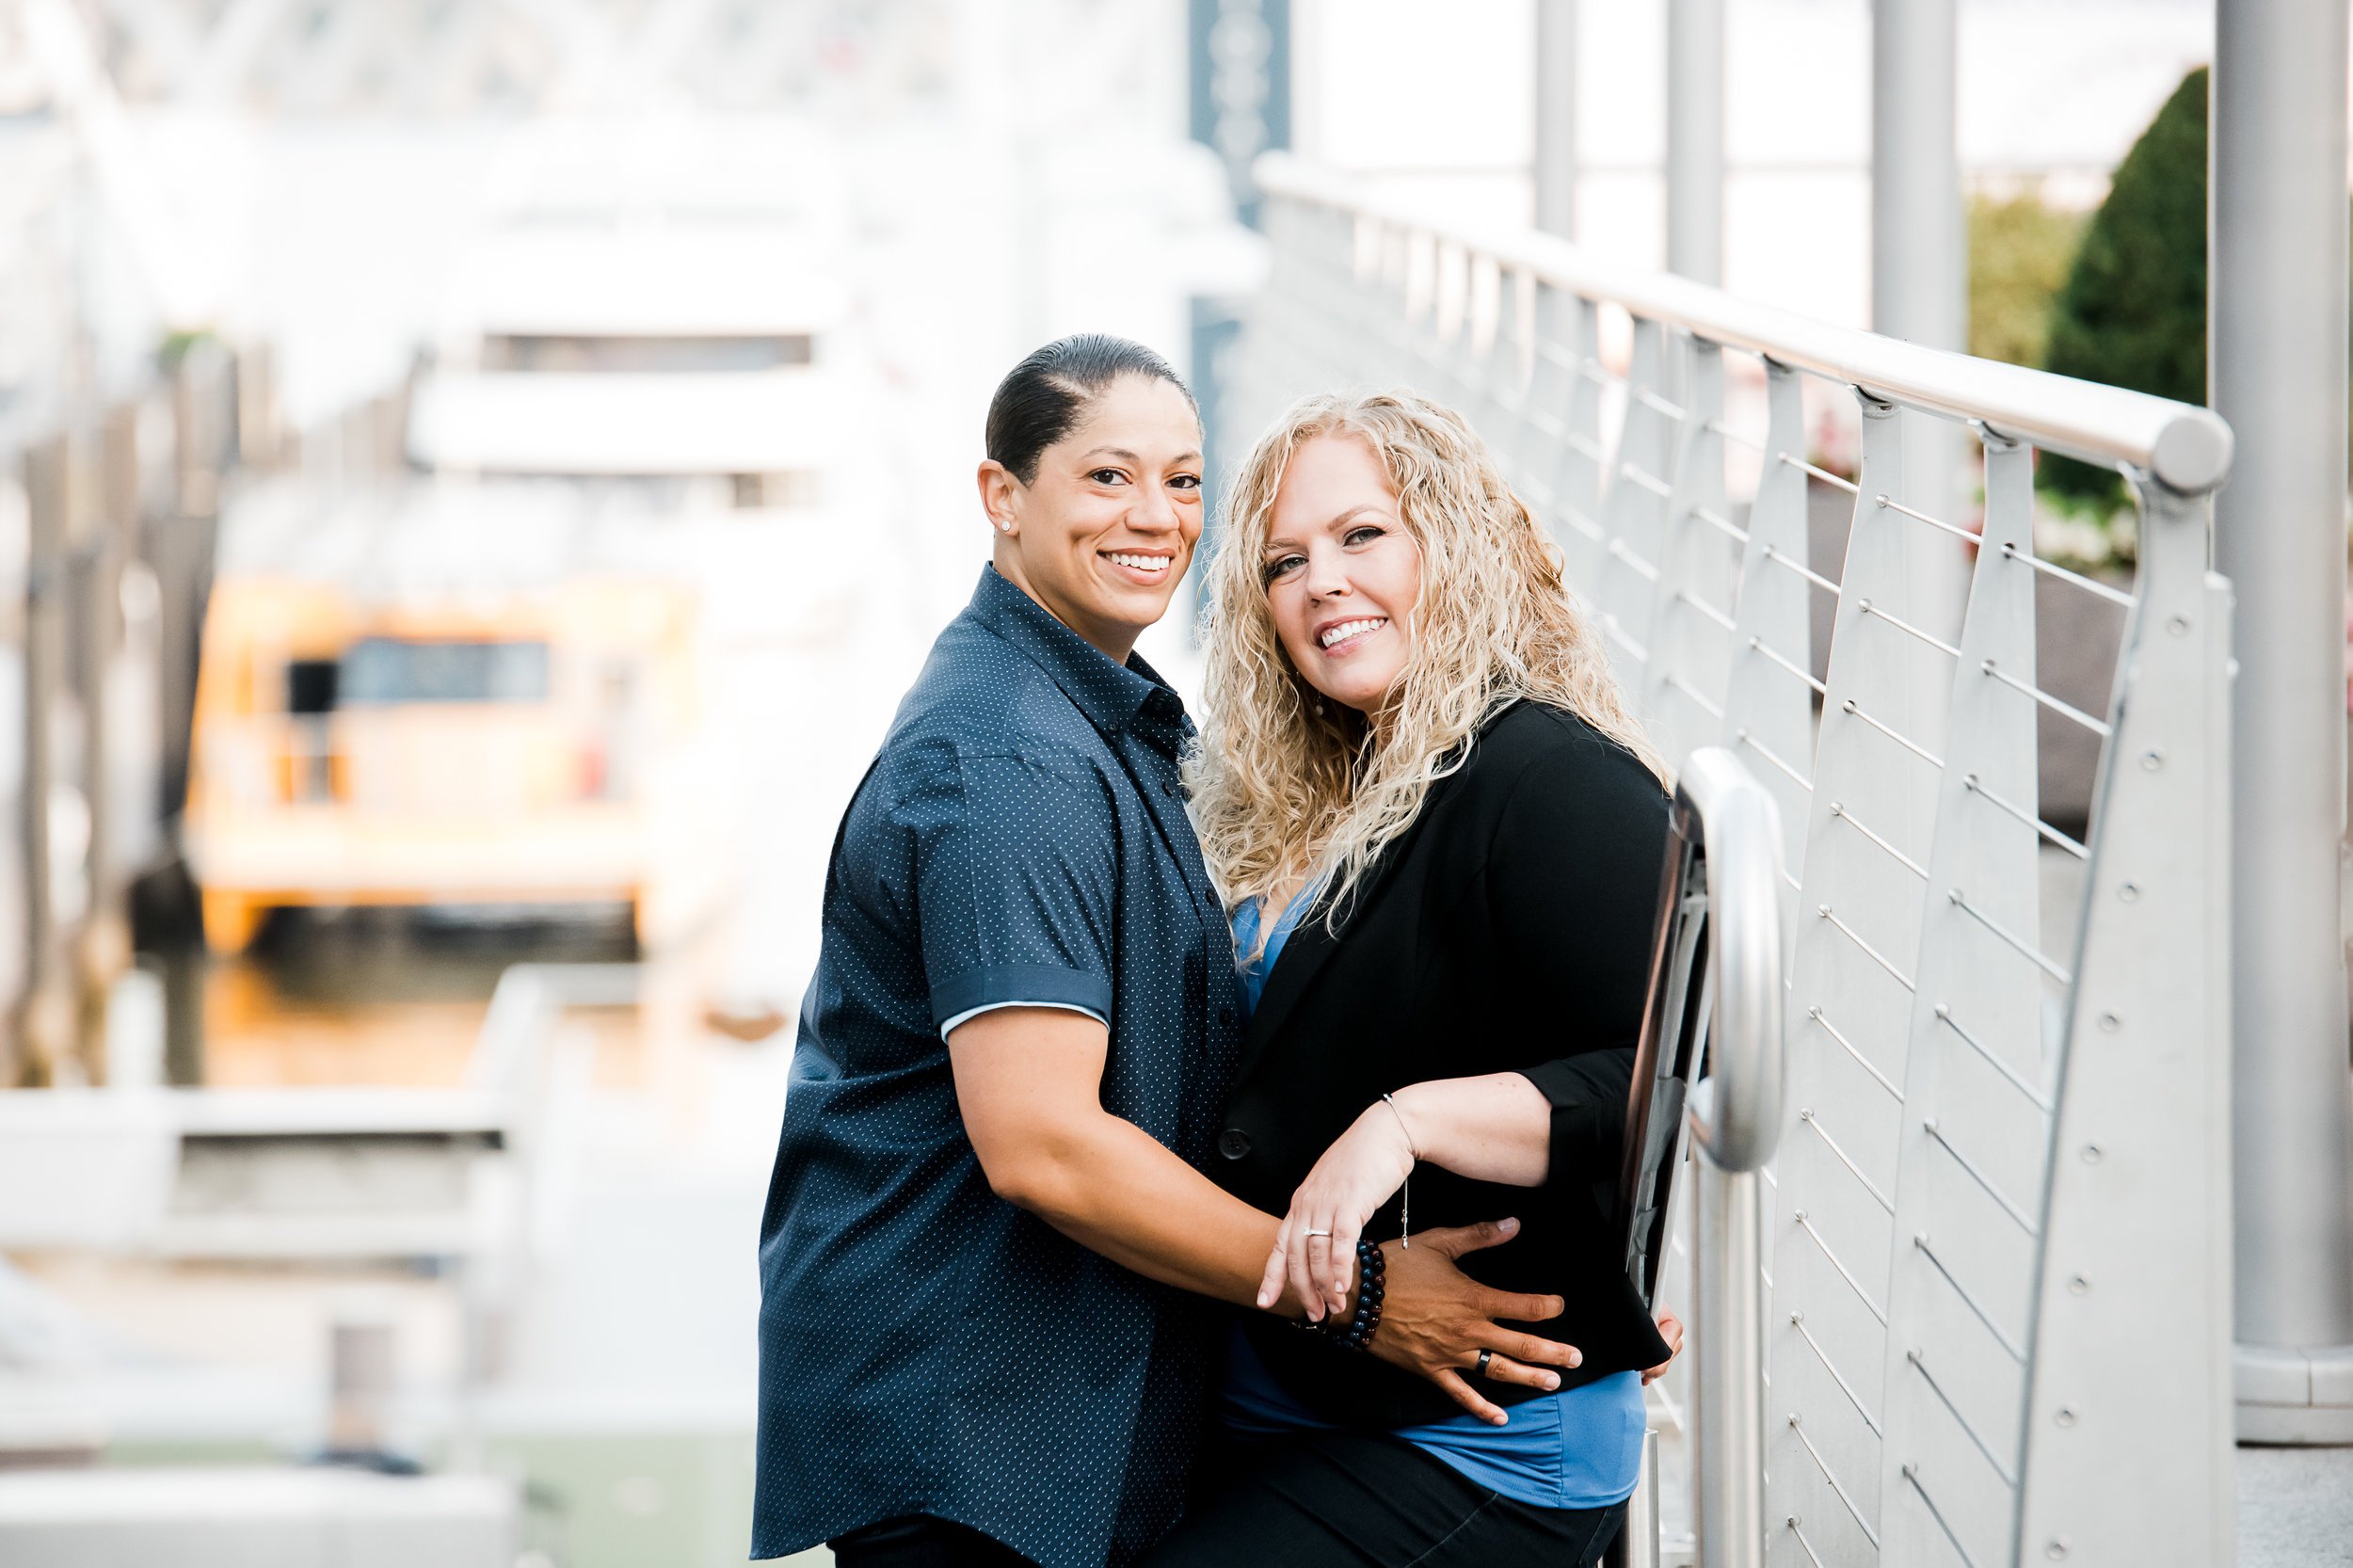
{"x": 2277, "y": 318}
{"x": 103, "y": 947}
{"x": 1637, "y": 1542}
{"x": 1240, "y": 67}
{"x": 1728, "y": 1422}
{"x": 44, "y": 1024}
{"x": 1919, "y": 290}
{"x": 1556, "y": 117}
{"x": 1695, "y": 140}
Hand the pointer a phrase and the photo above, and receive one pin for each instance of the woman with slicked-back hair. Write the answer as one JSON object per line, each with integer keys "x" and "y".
{"x": 991, "y": 1258}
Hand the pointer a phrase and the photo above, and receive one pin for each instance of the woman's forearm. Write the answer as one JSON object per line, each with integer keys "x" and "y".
{"x": 1111, "y": 1187}
{"x": 1028, "y": 1084}
{"x": 1496, "y": 1128}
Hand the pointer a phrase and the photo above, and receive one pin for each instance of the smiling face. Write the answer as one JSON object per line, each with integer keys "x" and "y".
{"x": 1342, "y": 574}
{"x": 1105, "y": 528}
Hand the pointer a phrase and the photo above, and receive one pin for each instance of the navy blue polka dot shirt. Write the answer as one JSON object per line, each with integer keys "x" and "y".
{"x": 924, "y": 1346}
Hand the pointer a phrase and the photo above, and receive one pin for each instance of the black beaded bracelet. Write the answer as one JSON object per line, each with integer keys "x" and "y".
{"x": 1356, "y": 1334}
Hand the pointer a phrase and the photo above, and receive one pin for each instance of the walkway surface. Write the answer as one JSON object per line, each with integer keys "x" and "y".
{"x": 2296, "y": 1508}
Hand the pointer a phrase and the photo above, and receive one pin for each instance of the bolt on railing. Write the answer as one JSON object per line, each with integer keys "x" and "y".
{"x": 2001, "y": 1192}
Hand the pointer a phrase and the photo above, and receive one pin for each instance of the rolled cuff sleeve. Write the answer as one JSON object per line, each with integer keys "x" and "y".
{"x": 1587, "y": 1096}
{"x": 976, "y": 991}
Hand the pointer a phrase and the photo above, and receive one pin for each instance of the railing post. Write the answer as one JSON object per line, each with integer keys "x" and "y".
{"x": 1691, "y": 615}
{"x": 2278, "y": 307}
{"x": 1734, "y": 1116}
{"x": 1556, "y": 117}
{"x": 1768, "y": 705}
{"x": 1695, "y": 140}
{"x": 1729, "y": 1422}
{"x": 2134, "y": 1273}
{"x": 1919, "y": 252}
{"x": 1969, "y": 1150}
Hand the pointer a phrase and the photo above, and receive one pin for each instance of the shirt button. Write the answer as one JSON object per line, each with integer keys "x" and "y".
{"x": 1233, "y": 1143}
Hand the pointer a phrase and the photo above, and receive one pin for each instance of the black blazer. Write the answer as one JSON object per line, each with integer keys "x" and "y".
{"x": 1509, "y": 929}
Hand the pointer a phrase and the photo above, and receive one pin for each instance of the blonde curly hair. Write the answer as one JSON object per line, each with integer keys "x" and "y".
{"x": 1286, "y": 785}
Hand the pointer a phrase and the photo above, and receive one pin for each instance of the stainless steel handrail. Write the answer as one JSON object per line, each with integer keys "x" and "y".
{"x": 1715, "y": 1005}
{"x": 1741, "y": 829}
{"x": 1735, "y": 1120}
{"x": 2185, "y": 448}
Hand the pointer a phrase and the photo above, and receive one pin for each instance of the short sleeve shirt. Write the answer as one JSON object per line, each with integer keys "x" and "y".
{"x": 926, "y": 1347}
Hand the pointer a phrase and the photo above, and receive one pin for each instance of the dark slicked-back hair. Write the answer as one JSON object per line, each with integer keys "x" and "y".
{"x": 1041, "y": 398}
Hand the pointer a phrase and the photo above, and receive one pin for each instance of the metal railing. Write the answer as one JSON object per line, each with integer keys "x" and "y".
{"x": 1715, "y": 1004}
{"x": 1996, "y": 1242}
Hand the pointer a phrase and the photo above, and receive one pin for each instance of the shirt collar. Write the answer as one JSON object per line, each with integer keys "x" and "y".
{"x": 1114, "y": 697}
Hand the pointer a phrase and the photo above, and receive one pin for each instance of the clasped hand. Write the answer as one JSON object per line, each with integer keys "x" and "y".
{"x": 1435, "y": 1320}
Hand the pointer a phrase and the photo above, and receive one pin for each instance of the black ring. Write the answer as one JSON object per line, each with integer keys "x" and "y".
{"x": 1485, "y": 1357}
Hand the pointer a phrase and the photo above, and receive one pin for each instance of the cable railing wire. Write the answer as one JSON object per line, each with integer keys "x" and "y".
{"x": 1844, "y": 1273}
{"x": 1911, "y": 1474}
{"x": 1743, "y": 737}
{"x": 1825, "y": 912}
{"x": 2010, "y": 938}
{"x": 1838, "y": 810}
{"x": 1860, "y": 1522}
{"x": 2051, "y": 569}
{"x": 1968, "y": 1300}
{"x": 1822, "y": 473}
{"x": 1963, "y": 1421}
{"x": 2065, "y": 709}
{"x": 1810, "y": 1119}
{"x": 1773, "y": 554}
{"x": 1969, "y": 1167}
{"x": 1797, "y": 1321}
{"x": 1854, "y": 708}
{"x": 1867, "y": 607}
{"x": 1774, "y": 655}
{"x": 2018, "y": 1081}
{"x": 2058, "y": 840}
{"x": 1848, "y": 1047}
{"x": 1953, "y": 528}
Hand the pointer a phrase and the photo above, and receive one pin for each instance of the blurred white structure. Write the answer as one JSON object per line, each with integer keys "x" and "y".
{"x": 257, "y": 1518}
{"x": 651, "y": 297}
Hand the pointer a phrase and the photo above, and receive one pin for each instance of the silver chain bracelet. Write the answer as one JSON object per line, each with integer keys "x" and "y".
{"x": 1405, "y": 1193}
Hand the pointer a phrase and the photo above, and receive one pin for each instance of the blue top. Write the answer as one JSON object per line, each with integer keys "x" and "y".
{"x": 924, "y": 1346}
{"x": 1580, "y": 1447}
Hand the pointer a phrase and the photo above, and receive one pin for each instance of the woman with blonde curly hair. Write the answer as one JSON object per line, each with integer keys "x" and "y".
{"x": 1439, "y": 833}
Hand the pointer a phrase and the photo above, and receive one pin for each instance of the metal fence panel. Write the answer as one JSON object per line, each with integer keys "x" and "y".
{"x": 1997, "y": 1239}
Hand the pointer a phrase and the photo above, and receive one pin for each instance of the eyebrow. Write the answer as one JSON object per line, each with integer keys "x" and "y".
{"x": 1284, "y": 542}
{"x": 1122, "y": 453}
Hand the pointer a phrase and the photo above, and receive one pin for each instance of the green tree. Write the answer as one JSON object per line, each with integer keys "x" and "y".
{"x": 2019, "y": 254}
{"x": 2134, "y": 310}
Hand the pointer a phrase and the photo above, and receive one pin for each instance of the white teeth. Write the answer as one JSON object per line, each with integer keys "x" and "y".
{"x": 1141, "y": 563}
{"x": 1348, "y": 629}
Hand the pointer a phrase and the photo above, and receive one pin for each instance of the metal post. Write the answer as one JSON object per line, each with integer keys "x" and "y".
{"x": 1919, "y": 290}
{"x": 1729, "y": 1421}
{"x": 103, "y": 946}
{"x": 1637, "y": 1541}
{"x": 1556, "y": 117}
{"x": 1695, "y": 140}
{"x": 1735, "y": 1119}
{"x": 44, "y": 1020}
{"x": 2278, "y": 315}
